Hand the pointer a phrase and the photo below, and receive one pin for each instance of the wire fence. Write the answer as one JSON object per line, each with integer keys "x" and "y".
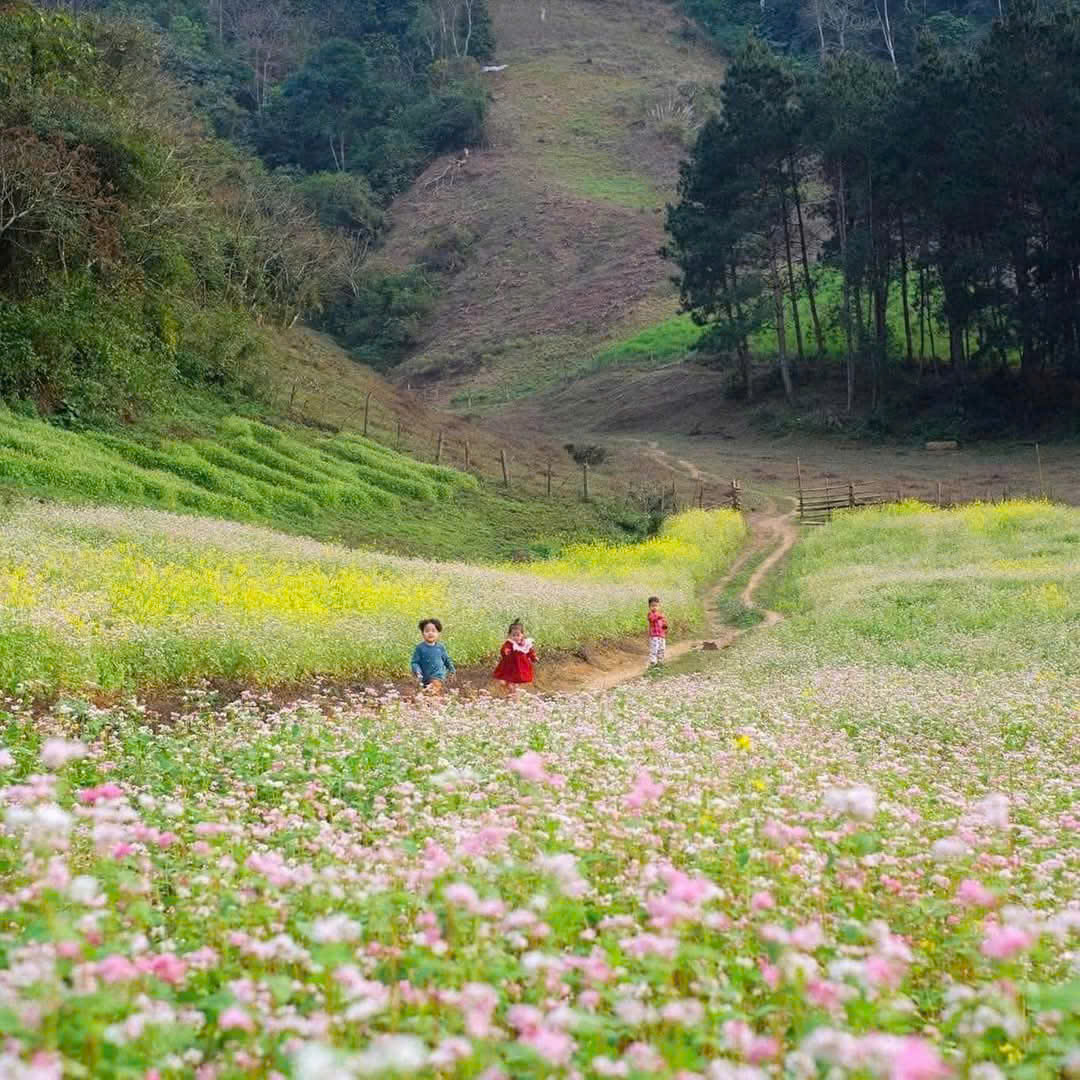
{"x": 314, "y": 403}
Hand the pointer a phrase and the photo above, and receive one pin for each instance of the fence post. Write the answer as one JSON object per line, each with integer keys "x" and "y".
{"x": 850, "y": 494}
{"x": 736, "y": 502}
{"x": 468, "y": 452}
{"x": 828, "y": 503}
{"x": 438, "y": 449}
{"x": 585, "y": 479}
{"x": 398, "y": 444}
{"x": 939, "y": 494}
{"x": 1038, "y": 461}
{"x": 674, "y": 498}
{"x": 292, "y": 397}
{"x": 505, "y": 468}
{"x": 549, "y": 479}
{"x": 798, "y": 474}
{"x": 367, "y": 408}
{"x": 701, "y": 496}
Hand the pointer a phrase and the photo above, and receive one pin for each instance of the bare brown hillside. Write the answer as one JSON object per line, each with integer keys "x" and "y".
{"x": 557, "y": 220}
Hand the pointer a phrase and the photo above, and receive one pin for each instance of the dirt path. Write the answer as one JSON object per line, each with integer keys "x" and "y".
{"x": 772, "y": 530}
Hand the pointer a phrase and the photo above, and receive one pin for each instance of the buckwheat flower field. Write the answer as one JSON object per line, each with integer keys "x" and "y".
{"x": 120, "y": 599}
{"x": 830, "y": 856}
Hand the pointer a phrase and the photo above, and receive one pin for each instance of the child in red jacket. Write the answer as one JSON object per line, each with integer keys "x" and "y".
{"x": 516, "y": 658}
{"x": 657, "y": 632}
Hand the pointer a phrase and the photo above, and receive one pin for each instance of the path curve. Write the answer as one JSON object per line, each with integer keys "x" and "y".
{"x": 770, "y": 528}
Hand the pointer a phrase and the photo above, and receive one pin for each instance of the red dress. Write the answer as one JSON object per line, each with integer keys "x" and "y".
{"x": 516, "y": 662}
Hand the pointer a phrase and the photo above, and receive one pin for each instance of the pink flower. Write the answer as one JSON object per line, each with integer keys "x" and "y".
{"x": 234, "y": 1018}
{"x": 102, "y": 791}
{"x": 917, "y": 1060}
{"x": 808, "y": 937}
{"x": 551, "y": 1044}
{"x": 770, "y": 973}
{"x": 116, "y": 968}
{"x": 762, "y": 1048}
{"x": 643, "y": 1058}
{"x": 166, "y": 840}
{"x": 972, "y": 893}
{"x": 1003, "y": 942}
{"x": 168, "y": 967}
{"x": 461, "y": 895}
{"x": 762, "y": 901}
{"x": 645, "y": 790}
{"x": 6, "y": 758}
{"x": 478, "y": 1001}
{"x": 530, "y": 766}
{"x": 824, "y": 994}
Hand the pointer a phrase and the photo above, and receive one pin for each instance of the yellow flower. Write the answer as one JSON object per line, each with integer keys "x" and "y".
{"x": 742, "y": 742}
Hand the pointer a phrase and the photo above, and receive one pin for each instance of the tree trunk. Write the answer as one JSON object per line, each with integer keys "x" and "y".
{"x": 922, "y": 320}
{"x": 819, "y": 337}
{"x": 742, "y": 346}
{"x": 781, "y": 333}
{"x": 904, "y": 292}
{"x": 791, "y": 275}
{"x": 881, "y": 337}
{"x": 842, "y": 223}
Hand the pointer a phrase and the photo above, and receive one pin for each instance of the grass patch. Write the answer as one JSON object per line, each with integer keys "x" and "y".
{"x": 672, "y": 339}
{"x": 120, "y": 599}
{"x": 987, "y": 587}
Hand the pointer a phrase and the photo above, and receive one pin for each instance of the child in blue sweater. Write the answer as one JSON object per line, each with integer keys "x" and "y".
{"x": 431, "y": 663}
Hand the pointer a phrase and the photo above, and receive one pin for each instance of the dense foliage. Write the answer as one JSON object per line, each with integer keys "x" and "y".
{"x": 875, "y": 27}
{"x": 138, "y": 251}
{"x": 946, "y": 192}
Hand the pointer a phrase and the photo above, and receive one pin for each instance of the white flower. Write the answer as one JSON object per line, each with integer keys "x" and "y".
{"x": 859, "y": 802}
{"x": 317, "y": 1062}
{"x": 56, "y": 753}
{"x": 334, "y": 929}
{"x": 949, "y": 847}
{"x": 83, "y": 889}
{"x": 993, "y": 810}
{"x": 392, "y": 1053}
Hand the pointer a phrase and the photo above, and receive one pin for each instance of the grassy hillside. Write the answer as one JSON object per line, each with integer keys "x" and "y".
{"x": 123, "y": 600}
{"x": 555, "y": 224}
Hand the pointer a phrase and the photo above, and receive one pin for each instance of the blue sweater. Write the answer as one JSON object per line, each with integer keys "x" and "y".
{"x": 431, "y": 661}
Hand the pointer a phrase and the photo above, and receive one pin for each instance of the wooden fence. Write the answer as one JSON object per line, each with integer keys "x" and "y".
{"x": 364, "y": 414}
{"x": 816, "y": 504}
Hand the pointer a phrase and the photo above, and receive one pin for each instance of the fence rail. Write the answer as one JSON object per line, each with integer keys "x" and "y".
{"x": 816, "y": 504}
{"x": 324, "y": 403}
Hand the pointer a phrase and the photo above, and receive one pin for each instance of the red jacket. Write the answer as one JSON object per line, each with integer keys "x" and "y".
{"x": 516, "y": 663}
{"x": 657, "y": 624}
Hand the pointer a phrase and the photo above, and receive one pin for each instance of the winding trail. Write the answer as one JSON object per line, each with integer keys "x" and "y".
{"x": 772, "y": 530}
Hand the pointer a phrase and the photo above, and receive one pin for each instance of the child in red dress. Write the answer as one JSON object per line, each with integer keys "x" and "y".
{"x": 516, "y": 658}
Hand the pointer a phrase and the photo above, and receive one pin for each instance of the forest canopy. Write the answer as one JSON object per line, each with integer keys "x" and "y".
{"x": 875, "y": 204}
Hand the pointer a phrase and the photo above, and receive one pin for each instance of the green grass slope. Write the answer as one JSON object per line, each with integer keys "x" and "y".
{"x": 339, "y": 487}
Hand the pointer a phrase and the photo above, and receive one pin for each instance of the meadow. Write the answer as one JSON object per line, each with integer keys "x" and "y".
{"x": 826, "y": 858}
{"x": 118, "y": 600}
